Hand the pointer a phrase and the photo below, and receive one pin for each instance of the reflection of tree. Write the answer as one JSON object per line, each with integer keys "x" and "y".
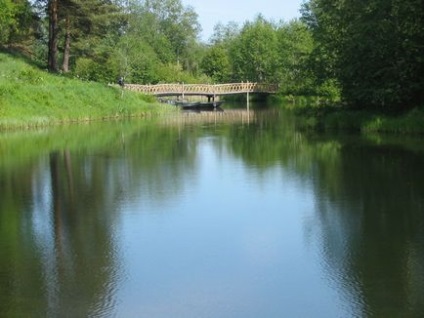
{"x": 58, "y": 216}
{"x": 273, "y": 140}
{"x": 18, "y": 266}
{"x": 370, "y": 211}
{"x": 81, "y": 263}
{"x": 159, "y": 160}
{"x": 87, "y": 190}
{"x": 372, "y": 229}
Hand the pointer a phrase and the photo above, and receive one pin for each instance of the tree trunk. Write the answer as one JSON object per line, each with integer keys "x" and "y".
{"x": 67, "y": 47}
{"x": 53, "y": 35}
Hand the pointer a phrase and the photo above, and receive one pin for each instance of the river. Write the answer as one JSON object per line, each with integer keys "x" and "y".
{"x": 230, "y": 214}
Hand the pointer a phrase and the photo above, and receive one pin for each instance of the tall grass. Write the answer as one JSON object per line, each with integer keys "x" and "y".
{"x": 33, "y": 97}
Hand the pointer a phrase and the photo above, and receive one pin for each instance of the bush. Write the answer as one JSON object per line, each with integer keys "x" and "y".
{"x": 89, "y": 70}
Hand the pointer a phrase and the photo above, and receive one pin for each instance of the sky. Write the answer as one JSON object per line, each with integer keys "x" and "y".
{"x": 212, "y": 12}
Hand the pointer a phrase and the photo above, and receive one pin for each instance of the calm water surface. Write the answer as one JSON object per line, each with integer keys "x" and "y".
{"x": 233, "y": 214}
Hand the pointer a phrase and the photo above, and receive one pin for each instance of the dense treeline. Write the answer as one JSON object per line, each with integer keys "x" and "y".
{"x": 374, "y": 49}
{"x": 369, "y": 54}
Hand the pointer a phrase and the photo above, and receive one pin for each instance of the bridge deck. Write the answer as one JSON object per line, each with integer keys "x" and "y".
{"x": 203, "y": 89}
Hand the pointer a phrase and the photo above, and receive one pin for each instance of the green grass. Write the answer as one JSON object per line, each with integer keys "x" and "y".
{"x": 31, "y": 97}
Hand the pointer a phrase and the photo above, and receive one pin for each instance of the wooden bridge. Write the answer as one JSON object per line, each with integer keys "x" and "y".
{"x": 203, "y": 89}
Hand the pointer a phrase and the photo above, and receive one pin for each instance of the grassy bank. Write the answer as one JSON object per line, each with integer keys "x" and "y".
{"x": 334, "y": 118}
{"x": 31, "y": 97}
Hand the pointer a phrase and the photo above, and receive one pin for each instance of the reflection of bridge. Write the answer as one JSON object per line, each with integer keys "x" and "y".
{"x": 203, "y": 89}
{"x": 211, "y": 117}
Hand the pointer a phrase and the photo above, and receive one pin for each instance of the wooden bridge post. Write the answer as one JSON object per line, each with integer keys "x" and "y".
{"x": 247, "y": 90}
{"x": 182, "y": 91}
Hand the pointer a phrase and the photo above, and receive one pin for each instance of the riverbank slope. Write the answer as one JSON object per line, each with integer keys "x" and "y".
{"x": 31, "y": 97}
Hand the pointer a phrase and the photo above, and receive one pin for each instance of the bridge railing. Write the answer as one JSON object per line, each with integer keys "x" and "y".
{"x": 203, "y": 89}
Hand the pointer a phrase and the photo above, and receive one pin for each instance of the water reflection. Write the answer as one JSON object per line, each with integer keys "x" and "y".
{"x": 371, "y": 227}
{"x": 72, "y": 223}
{"x": 81, "y": 206}
{"x": 61, "y": 193}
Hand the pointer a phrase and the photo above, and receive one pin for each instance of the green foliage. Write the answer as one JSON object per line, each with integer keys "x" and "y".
{"x": 264, "y": 52}
{"x": 366, "y": 54}
{"x": 373, "y": 49}
{"x": 155, "y": 38}
{"x": 90, "y": 28}
{"x": 176, "y": 22}
{"x": 160, "y": 33}
{"x": 225, "y": 34}
{"x": 329, "y": 89}
{"x": 7, "y": 19}
{"x": 138, "y": 61}
{"x": 295, "y": 47}
{"x": 254, "y": 53}
{"x": 216, "y": 64}
{"x": 16, "y": 23}
{"x": 89, "y": 70}
{"x": 143, "y": 26}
